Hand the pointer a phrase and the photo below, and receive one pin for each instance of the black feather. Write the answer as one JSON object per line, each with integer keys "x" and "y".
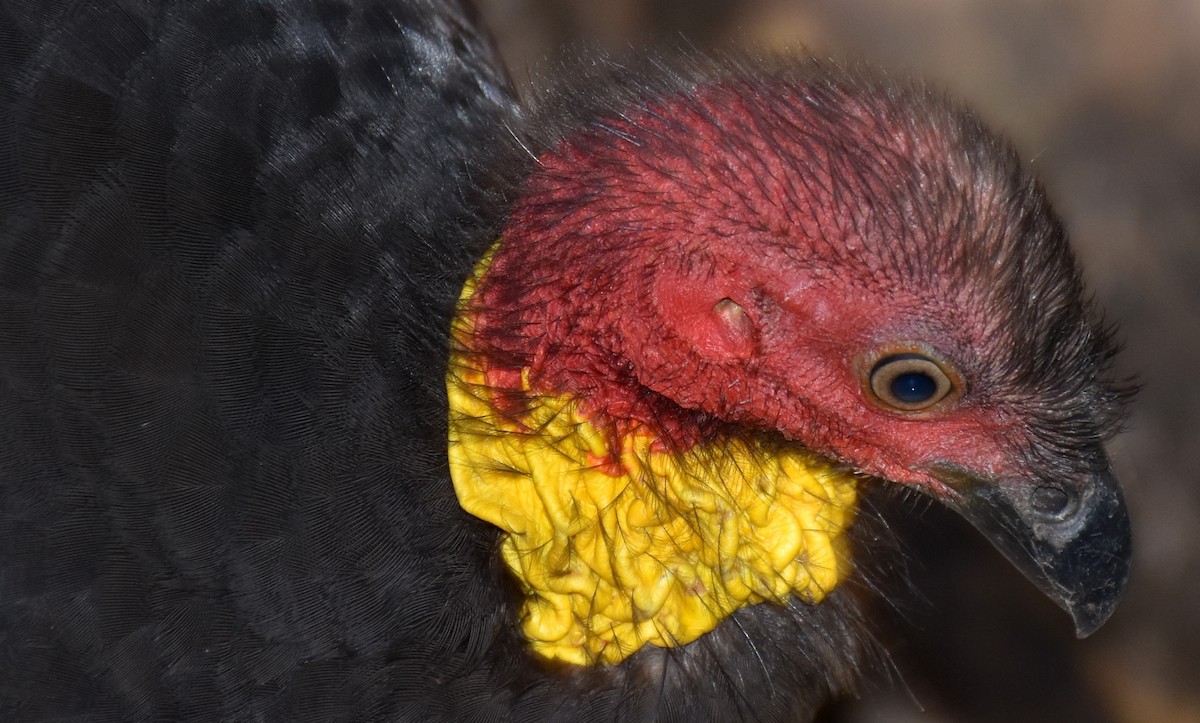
{"x": 232, "y": 236}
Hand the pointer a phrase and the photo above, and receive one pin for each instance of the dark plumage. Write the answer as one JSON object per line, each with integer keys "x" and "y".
{"x": 232, "y": 237}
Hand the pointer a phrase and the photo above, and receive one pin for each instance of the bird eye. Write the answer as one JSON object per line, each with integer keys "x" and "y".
{"x": 909, "y": 382}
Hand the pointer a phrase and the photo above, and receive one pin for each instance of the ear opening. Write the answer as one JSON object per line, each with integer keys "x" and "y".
{"x": 736, "y": 324}
{"x": 716, "y": 324}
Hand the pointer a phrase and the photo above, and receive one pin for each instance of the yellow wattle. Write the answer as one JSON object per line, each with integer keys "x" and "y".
{"x": 619, "y": 548}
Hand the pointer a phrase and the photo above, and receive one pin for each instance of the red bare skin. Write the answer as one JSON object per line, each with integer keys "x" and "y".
{"x": 726, "y": 274}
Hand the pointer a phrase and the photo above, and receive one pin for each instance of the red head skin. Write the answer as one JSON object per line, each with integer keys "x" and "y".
{"x": 844, "y": 222}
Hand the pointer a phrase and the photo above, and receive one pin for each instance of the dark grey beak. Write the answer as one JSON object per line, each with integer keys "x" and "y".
{"x": 1071, "y": 539}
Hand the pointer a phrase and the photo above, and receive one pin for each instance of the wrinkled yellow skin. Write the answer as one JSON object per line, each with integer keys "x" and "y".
{"x": 656, "y": 550}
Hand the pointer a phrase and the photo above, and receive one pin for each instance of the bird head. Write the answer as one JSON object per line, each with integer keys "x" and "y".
{"x": 853, "y": 265}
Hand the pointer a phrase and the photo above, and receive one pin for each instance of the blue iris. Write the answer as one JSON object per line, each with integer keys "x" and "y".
{"x": 913, "y": 387}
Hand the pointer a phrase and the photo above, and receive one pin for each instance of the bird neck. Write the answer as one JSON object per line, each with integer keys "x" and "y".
{"x": 619, "y": 539}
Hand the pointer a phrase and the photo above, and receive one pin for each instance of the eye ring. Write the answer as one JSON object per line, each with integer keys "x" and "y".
{"x": 911, "y": 381}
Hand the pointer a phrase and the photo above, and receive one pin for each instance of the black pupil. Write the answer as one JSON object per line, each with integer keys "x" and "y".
{"x": 913, "y": 387}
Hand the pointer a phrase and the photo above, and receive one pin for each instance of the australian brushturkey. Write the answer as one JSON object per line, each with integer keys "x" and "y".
{"x": 336, "y": 385}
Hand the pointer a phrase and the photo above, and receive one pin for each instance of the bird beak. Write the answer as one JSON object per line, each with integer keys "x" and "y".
{"x": 1071, "y": 539}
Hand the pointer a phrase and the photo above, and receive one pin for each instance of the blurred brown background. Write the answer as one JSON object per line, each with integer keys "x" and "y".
{"x": 1103, "y": 99}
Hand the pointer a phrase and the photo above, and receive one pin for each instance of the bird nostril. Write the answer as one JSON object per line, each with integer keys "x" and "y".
{"x": 1048, "y": 501}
